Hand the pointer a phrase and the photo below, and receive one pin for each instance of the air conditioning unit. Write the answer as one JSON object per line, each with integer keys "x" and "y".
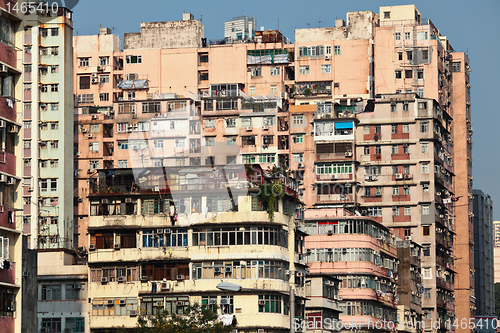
{"x": 100, "y": 68}
{"x": 337, "y": 297}
{"x": 26, "y": 274}
{"x": 348, "y": 154}
{"x": 94, "y": 117}
{"x": 133, "y": 313}
{"x": 165, "y": 286}
{"x": 181, "y": 277}
{"x": 265, "y": 128}
{"x": 117, "y": 246}
{"x": 408, "y": 238}
{"x": 121, "y": 278}
{"x": 92, "y": 247}
{"x": 134, "y": 116}
{"x": 84, "y": 130}
{"x": 399, "y": 176}
{"x": 327, "y": 57}
{"x": 89, "y": 136}
{"x": 262, "y": 302}
{"x": 301, "y": 165}
{"x": 180, "y": 303}
{"x": 104, "y": 280}
{"x": 408, "y": 176}
{"x": 441, "y": 216}
{"x": 229, "y": 269}
{"x": 122, "y": 302}
{"x": 300, "y": 274}
{"x": 438, "y": 193}
{"x": 14, "y": 129}
{"x": 144, "y": 278}
{"x": 260, "y": 330}
{"x": 168, "y": 231}
{"x": 329, "y": 232}
{"x": 111, "y": 302}
{"x": 30, "y": 189}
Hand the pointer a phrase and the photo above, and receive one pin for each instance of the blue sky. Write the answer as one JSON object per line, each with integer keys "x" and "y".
{"x": 471, "y": 26}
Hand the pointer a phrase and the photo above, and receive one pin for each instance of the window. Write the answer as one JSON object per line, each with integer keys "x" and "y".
{"x": 226, "y": 304}
{"x": 72, "y": 293}
{"x": 44, "y": 88}
{"x": 151, "y": 107}
{"x": 406, "y": 169}
{"x": 122, "y": 164}
{"x": 408, "y": 74}
{"x": 424, "y": 126}
{"x": 427, "y": 293}
{"x": 132, "y": 59}
{"x": 425, "y": 210}
{"x": 252, "y": 90}
{"x": 51, "y": 292}
{"x": 426, "y": 250}
{"x": 378, "y": 149}
{"x": 93, "y": 146}
{"x": 407, "y": 35}
{"x": 387, "y": 15}
{"x": 267, "y": 140}
{"x": 336, "y": 50}
{"x": 275, "y": 71}
{"x": 274, "y": 89}
{"x": 104, "y": 97}
{"x": 325, "y": 69}
{"x": 420, "y": 74}
{"x": 84, "y": 62}
{"x": 426, "y": 230}
{"x": 298, "y": 119}
{"x": 394, "y": 129}
{"x": 54, "y": 144}
{"x": 54, "y": 126}
{"x": 366, "y": 150}
{"x": 328, "y": 50}
{"x": 407, "y": 211}
{"x": 398, "y": 74}
{"x": 395, "y": 190}
{"x": 422, "y": 35}
{"x": 395, "y": 149}
{"x": 425, "y": 188}
{"x": 425, "y": 147}
{"x": 131, "y": 95}
{"x": 248, "y": 140}
{"x": 378, "y": 129}
{"x": 406, "y": 189}
{"x": 180, "y": 143}
{"x": 298, "y": 138}
{"x": 409, "y": 55}
{"x": 366, "y": 129}
{"x": 103, "y": 78}
{"x": 158, "y": 144}
{"x": 406, "y": 128}
{"x": 51, "y": 324}
{"x": 270, "y": 304}
{"x": 93, "y": 165}
{"x": 231, "y": 141}
{"x": 257, "y": 71}
{"x": 456, "y": 66}
{"x": 304, "y": 70}
{"x": 400, "y": 55}
{"x": 210, "y": 141}
{"x": 298, "y": 157}
{"x": 104, "y": 61}
{"x": 76, "y": 325}
{"x": 425, "y": 168}
{"x": 406, "y": 148}
{"x": 397, "y": 35}
{"x": 209, "y": 123}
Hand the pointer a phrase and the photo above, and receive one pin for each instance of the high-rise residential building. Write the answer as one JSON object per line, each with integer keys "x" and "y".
{"x": 17, "y": 311}
{"x": 47, "y": 173}
{"x": 496, "y": 233}
{"x": 370, "y": 115}
{"x": 484, "y": 287}
{"x": 240, "y": 28}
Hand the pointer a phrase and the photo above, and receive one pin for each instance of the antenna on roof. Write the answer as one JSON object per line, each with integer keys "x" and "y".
{"x": 308, "y": 24}
{"x": 201, "y": 18}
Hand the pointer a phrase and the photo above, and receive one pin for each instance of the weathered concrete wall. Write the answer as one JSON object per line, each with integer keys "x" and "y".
{"x": 166, "y": 35}
{"x": 29, "y": 289}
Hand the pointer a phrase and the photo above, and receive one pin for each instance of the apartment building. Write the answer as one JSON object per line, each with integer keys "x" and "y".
{"x": 62, "y": 293}
{"x": 483, "y": 254}
{"x": 15, "y": 260}
{"x": 172, "y": 246}
{"x": 240, "y": 28}
{"x": 362, "y": 253}
{"x": 46, "y": 138}
{"x": 369, "y": 115}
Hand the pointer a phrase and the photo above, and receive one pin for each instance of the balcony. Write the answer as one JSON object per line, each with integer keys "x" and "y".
{"x": 398, "y": 157}
{"x": 334, "y": 177}
{"x": 309, "y": 89}
{"x": 373, "y": 198}
{"x": 334, "y": 198}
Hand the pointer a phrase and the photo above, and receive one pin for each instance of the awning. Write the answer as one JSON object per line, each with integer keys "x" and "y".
{"x": 229, "y": 286}
{"x": 343, "y": 125}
